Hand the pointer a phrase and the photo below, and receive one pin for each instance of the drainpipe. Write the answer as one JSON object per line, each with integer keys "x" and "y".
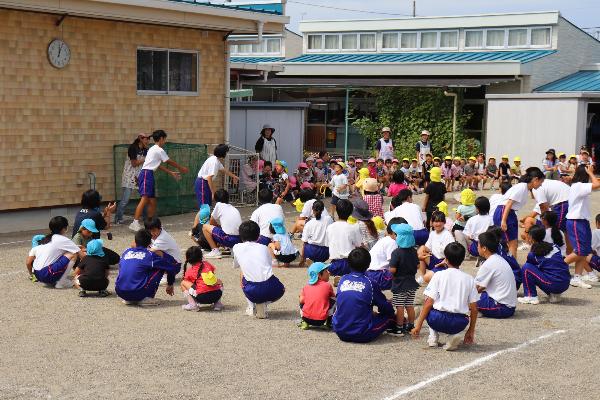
{"x": 455, "y": 95}
{"x": 346, "y": 125}
{"x": 259, "y": 28}
{"x": 521, "y": 83}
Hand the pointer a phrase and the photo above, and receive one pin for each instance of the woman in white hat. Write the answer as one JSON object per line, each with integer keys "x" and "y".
{"x": 423, "y": 147}
{"x": 385, "y": 145}
{"x": 266, "y": 145}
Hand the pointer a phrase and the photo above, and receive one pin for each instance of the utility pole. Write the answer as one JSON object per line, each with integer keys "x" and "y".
{"x": 414, "y": 8}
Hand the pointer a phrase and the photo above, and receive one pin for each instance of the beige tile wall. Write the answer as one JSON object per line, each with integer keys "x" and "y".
{"x": 57, "y": 125}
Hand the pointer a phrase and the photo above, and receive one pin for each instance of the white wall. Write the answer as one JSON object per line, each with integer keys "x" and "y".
{"x": 529, "y": 127}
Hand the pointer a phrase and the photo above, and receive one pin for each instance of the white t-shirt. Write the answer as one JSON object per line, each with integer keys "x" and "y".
{"x": 495, "y": 200}
{"x": 563, "y": 248}
{"x": 228, "y": 217}
{"x": 476, "y": 225}
{"x": 336, "y": 182}
{"x": 307, "y": 210}
{"x": 254, "y": 260}
{"x": 263, "y": 216}
{"x": 50, "y": 252}
{"x": 211, "y": 167}
{"x": 165, "y": 242}
{"x": 156, "y": 155}
{"x": 518, "y": 194}
{"x": 34, "y": 250}
{"x": 410, "y": 212}
{"x": 496, "y": 276}
{"x": 452, "y": 290}
{"x": 342, "y": 238}
{"x": 579, "y": 207}
{"x": 551, "y": 192}
{"x": 596, "y": 241}
{"x": 315, "y": 230}
{"x": 437, "y": 242}
{"x": 381, "y": 253}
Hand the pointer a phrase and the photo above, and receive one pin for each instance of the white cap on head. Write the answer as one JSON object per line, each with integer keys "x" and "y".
{"x": 425, "y": 132}
{"x": 386, "y": 129}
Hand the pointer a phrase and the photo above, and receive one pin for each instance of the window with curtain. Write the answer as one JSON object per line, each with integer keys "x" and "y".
{"x": 389, "y": 40}
{"x": 367, "y": 41}
{"x": 273, "y": 46}
{"x": 257, "y": 47}
{"x": 449, "y": 40}
{"x": 474, "y": 39}
{"x": 183, "y": 72}
{"x": 540, "y": 37}
{"x": 408, "y": 40}
{"x": 245, "y": 48}
{"x": 349, "y": 41}
{"x": 495, "y": 38}
{"x": 428, "y": 40}
{"x": 332, "y": 42}
{"x": 315, "y": 42}
{"x": 517, "y": 37}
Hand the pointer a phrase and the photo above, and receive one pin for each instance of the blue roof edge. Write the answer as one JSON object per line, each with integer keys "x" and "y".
{"x": 575, "y": 82}
{"x": 274, "y": 9}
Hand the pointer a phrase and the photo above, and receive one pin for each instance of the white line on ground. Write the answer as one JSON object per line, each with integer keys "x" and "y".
{"x": 475, "y": 363}
{"x": 12, "y": 273}
{"x": 17, "y": 242}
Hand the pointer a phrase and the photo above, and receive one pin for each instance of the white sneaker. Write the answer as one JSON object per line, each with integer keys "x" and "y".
{"x": 64, "y": 284}
{"x": 135, "y": 225}
{"x": 528, "y": 300}
{"x": 274, "y": 263}
{"x": 554, "y": 298}
{"x": 433, "y": 339}
{"x": 250, "y": 311}
{"x": 589, "y": 277}
{"x": 128, "y": 303}
{"x": 149, "y": 301}
{"x": 214, "y": 253}
{"x": 163, "y": 280}
{"x": 420, "y": 280}
{"x": 190, "y": 307}
{"x": 577, "y": 282}
{"x": 218, "y": 306}
{"x": 261, "y": 311}
{"x": 453, "y": 342}
{"x": 524, "y": 247}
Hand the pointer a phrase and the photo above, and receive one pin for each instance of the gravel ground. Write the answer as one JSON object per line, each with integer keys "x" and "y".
{"x": 57, "y": 345}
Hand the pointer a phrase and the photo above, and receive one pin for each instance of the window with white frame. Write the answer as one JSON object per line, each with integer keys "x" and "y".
{"x": 474, "y": 39}
{"x": 269, "y": 46}
{"x": 429, "y": 40}
{"x": 389, "y": 41}
{"x": 408, "y": 40}
{"x": 163, "y": 71}
{"x": 517, "y": 37}
{"x": 367, "y": 41}
{"x": 495, "y": 38}
{"x": 315, "y": 42}
{"x": 349, "y": 41}
{"x": 540, "y": 37}
{"x": 273, "y": 46}
{"x": 332, "y": 42}
{"x": 449, "y": 40}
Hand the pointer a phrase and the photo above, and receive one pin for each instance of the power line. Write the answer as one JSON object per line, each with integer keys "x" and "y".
{"x": 348, "y": 9}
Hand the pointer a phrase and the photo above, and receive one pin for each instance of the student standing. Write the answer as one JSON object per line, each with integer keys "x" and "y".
{"x": 204, "y": 187}
{"x": 339, "y": 186}
{"x": 423, "y": 147}
{"x": 434, "y": 193}
{"x": 146, "y": 183}
{"x": 266, "y": 145}
{"x": 385, "y": 145}
{"x": 136, "y": 155}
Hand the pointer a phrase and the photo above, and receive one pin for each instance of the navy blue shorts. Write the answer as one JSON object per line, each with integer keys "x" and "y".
{"x": 261, "y": 292}
{"x": 53, "y": 272}
{"x": 265, "y": 241}
{"x": 146, "y": 183}
{"x": 149, "y": 289}
{"x": 334, "y": 199}
{"x": 534, "y": 277}
{"x": 433, "y": 261}
{"x": 339, "y": 267}
{"x": 580, "y": 236}
{"x": 490, "y": 308}
{"x": 561, "y": 210}
{"x": 447, "y": 322}
{"x": 315, "y": 252}
{"x": 473, "y": 248}
{"x": 224, "y": 239}
{"x": 595, "y": 262}
{"x": 512, "y": 224}
{"x": 421, "y": 236}
{"x": 379, "y": 323}
{"x": 382, "y": 278}
{"x": 209, "y": 297}
{"x": 203, "y": 193}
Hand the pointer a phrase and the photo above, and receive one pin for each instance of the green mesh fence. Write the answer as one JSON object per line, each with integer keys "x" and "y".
{"x": 173, "y": 197}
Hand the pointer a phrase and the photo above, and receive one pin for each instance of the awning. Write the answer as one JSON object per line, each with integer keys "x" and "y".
{"x": 379, "y": 82}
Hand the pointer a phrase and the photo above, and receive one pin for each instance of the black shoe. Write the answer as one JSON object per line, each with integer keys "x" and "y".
{"x": 396, "y": 330}
{"x": 408, "y": 328}
{"x": 103, "y": 293}
{"x": 82, "y": 293}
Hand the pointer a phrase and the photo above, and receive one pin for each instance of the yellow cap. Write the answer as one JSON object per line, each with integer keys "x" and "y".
{"x": 379, "y": 223}
{"x": 405, "y": 159}
{"x": 436, "y": 158}
{"x": 299, "y": 205}
{"x": 363, "y": 173}
{"x": 472, "y": 158}
{"x": 457, "y": 158}
{"x": 561, "y": 154}
{"x": 572, "y": 156}
{"x": 517, "y": 159}
{"x": 447, "y": 158}
{"x": 443, "y": 207}
{"x": 341, "y": 164}
{"x": 352, "y": 220}
{"x": 467, "y": 197}
{"x": 414, "y": 159}
{"x": 492, "y": 158}
{"x": 505, "y": 156}
{"x": 435, "y": 174}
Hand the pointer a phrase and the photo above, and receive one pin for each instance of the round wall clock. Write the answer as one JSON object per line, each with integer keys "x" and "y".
{"x": 59, "y": 53}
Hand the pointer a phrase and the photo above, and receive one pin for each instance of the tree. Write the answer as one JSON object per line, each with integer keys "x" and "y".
{"x": 408, "y": 111}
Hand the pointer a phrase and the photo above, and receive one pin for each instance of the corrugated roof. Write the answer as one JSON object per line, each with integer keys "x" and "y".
{"x": 458, "y": 56}
{"x": 380, "y": 82}
{"x": 276, "y": 8}
{"x": 582, "y": 81}
{"x": 255, "y": 60}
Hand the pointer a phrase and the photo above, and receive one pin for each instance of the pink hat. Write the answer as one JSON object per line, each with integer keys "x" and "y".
{"x": 306, "y": 185}
{"x": 358, "y": 160}
{"x": 261, "y": 164}
{"x": 293, "y": 180}
{"x": 371, "y": 160}
{"x": 319, "y": 160}
{"x": 302, "y": 165}
{"x": 395, "y": 160}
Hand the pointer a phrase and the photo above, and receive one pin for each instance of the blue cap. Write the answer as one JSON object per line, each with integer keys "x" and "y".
{"x": 278, "y": 225}
{"x": 35, "y": 241}
{"x": 405, "y": 237}
{"x": 204, "y": 214}
{"x": 282, "y": 163}
{"x": 89, "y": 224}
{"x": 94, "y": 248}
{"x": 314, "y": 270}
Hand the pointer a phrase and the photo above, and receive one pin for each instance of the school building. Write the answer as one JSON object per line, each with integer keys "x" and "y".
{"x": 80, "y": 76}
{"x": 491, "y": 59}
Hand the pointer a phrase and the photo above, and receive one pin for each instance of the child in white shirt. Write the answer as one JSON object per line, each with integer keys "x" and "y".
{"x": 259, "y": 284}
{"x": 449, "y": 299}
{"x": 411, "y": 212}
{"x": 264, "y": 214}
{"x": 35, "y": 247}
{"x": 475, "y": 226}
{"x": 282, "y": 248}
{"x": 314, "y": 235}
{"x": 594, "y": 258}
{"x": 431, "y": 255}
{"x": 381, "y": 253}
{"x": 163, "y": 241}
{"x": 223, "y": 228}
{"x": 339, "y": 186}
{"x": 204, "y": 185}
{"x": 342, "y": 238}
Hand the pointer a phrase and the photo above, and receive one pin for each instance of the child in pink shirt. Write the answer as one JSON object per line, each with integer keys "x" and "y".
{"x": 398, "y": 184}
